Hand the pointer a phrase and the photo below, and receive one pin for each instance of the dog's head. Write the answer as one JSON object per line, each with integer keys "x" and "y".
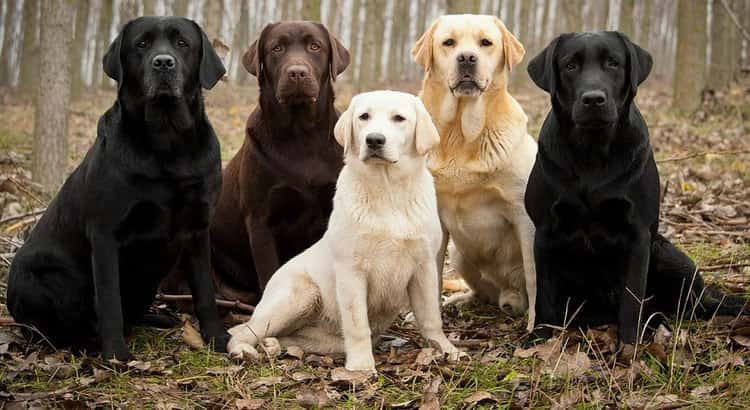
{"x": 162, "y": 57}
{"x": 384, "y": 127}
{"x": 467, "y": 52}
{"x": 592, "y": 77}
{"x": 296, "y": 58}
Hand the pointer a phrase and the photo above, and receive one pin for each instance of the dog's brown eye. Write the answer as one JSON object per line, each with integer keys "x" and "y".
{"x": 612, "y": 63}
{"x": 485, "y": 42}
{"x": 571, "y": 66}
{"x": 364, "y": 117}
{"x": 181, "y": 43}
{"x": 277, "y": 48}
{"x": 449, "y": 42}
{"x": 314, "y": 47}
{"x": 398, "y": 118}
{"x": 141, "y": 44}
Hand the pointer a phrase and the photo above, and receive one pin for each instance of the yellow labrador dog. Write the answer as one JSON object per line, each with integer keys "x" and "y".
{"x": 484, "y": 158}
{"x": 377, "y": 257}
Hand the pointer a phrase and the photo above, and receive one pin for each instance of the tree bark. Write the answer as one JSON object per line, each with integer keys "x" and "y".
{"x": 79, "y": 43}
{"x": 102, "y": 41}
{"x": 719, "y": 66}
{"x": 690, "y": 71}
{"x": 354, "y": 29}
{"x": 463, "y": 6}
{"x": 626, "y": 17}
{"x": 11, "y": 40}
{"x": 51, "y": 119}
{"x": 311, "y": 10}
{"x": 573, "y": 14}
{"x": 30, "y": 49}
{"x": 242, "y": 39}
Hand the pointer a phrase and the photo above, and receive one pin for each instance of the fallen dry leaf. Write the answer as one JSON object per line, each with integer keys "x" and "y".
{"x": 478, "y": 397}
{"x": 431, "y": 399}
{"x": 265, "y": 381}
{"x": 295, "y": 351}
{"x": 426, "y": 356}
{"x": 543, "y": 350}
{"x": 341, "y": 374}
{"x": 248, "y": 404}
{"x": 312, "y": 398}
{"x": 191, "y": 336}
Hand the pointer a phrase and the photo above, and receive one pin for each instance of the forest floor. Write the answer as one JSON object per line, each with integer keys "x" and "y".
{"x": 704, "y": 162}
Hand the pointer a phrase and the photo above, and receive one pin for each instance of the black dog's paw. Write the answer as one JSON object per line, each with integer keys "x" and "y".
{"x": 218, "y": 342}
{"x": 120, "y": 353}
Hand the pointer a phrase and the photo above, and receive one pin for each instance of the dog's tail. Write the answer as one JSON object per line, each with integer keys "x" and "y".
{"x": 677, "y": 284}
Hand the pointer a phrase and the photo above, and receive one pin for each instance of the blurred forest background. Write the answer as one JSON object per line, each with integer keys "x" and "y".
{"x": 696, "y": 103}
{"x": 380, "y": 33}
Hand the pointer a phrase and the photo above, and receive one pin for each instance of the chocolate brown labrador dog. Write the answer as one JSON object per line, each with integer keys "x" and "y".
{"x": 278, "y": 190}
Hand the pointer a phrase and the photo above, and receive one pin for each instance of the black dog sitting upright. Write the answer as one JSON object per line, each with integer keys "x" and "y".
{"x": 140, "y": 203}
{"x": 593, "y": 195}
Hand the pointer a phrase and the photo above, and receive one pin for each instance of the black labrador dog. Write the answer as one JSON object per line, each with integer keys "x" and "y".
{"x": 593, "y": 195}
{"x": 278, "y": 189}
{"x": 139, "y": 205}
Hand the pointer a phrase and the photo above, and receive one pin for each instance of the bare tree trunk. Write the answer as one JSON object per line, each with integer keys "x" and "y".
{"x": 51, "y": 119}
{"x": 463, "y": 6}
{"x": 690, "y": 73}
{"x": 719, "y": 65}
{"x": 242, "y": 39}
{"x": 573, "y": 14}
{"x": 102, "y": 42}
{"x": 30, "y": 49}
{"x": 626, "y": 17}
{"x": 311, "y": 10}
{"x": 11, "y": 44}
{"x": 79, "y": 44}
{"x": 354, "y": 40}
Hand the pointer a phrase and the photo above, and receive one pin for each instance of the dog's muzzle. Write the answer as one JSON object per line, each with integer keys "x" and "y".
{"x": 297, "y": 85}
{"x": 163, "y": 78}
{"x": 466, "y": 85}
{"x": 594, "y": 110}
{"x": 375, "y": 142}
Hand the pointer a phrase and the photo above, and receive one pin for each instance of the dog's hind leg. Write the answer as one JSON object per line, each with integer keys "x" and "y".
{"x": 479, "y": 288}
{"x": 290, "y": 300}
{"x": 676, "y": 283}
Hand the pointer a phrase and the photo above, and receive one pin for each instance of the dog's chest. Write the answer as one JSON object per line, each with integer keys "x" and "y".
{"x": 167, "y": 210}
{"x": 603, "y": 223}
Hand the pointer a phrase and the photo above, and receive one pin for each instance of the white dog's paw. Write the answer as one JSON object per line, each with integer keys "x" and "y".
{"x": 459, "y": 299}
{"x": 453, "y": 353}
{"x": 362, "y": 364}
{"x": 271, "y": 346}
{"x": 512, "y": 303}
{"x": 242, "y": 350}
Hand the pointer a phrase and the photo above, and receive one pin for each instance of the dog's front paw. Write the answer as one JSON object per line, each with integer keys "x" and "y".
{"x": 362, "y": 364}
{"x": 119, "y": 353}
{"x": 242, "y": 350}
{"x": 271, "y": 346}
{"x": 219, "y": 341}
{"x": 453, "y": 353}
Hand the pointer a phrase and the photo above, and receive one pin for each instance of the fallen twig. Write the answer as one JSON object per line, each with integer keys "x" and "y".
{"x": 19, "y": 217}
{"x": 698, "y": 154}
{"x": 7, "y": 321}
{"x": 735, "y": 20}
{"x": 724, "y": 266}
{"x": 236, "y": 304}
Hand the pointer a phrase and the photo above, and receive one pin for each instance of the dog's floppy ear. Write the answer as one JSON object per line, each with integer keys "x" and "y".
{"x": 339, "y": 58}
{"x": 426, "y": 135}
{"x": 542, "y": 67}
{"x": 639, "y": 62}
{"x": 211, "y": 68}
{"x": 422, "y": 51}
{"x": 112, "y": 62}
{"x": 342, "y": 131}
{"x": 512, "y": 48}
{"x": 252, "y": 60}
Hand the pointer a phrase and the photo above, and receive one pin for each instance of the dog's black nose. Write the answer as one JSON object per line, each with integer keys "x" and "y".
{"x": 375, "y": 140}
{"x": 163, "y": 62}
{"x": 297, "y": 72}
{"x": 594, "y": 98}
{"x": 467, "y": 59}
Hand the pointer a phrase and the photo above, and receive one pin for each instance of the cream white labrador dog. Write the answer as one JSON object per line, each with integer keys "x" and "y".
{"x": 484, "y": 158}
{"x": 377, "y": 257}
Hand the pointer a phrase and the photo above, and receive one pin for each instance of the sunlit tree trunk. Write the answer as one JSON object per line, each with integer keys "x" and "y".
{"x": 79, "y": 43}
{"x": 311, "y": 10}
{"x": 9, "y": 72}
{"x": 463, "y": 6}
{"x": 51, "y": 119}
{"x": 626, "y": 17}
{"x": 719, "y": 65}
